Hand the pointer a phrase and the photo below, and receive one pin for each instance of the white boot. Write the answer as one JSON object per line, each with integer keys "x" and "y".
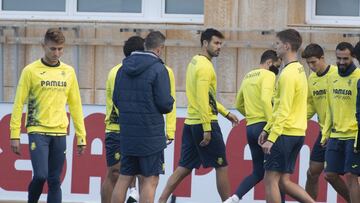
{"x": 232, "y": 199}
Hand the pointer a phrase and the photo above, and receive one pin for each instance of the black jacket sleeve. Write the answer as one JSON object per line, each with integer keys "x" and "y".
{"x": 161, "y": 91}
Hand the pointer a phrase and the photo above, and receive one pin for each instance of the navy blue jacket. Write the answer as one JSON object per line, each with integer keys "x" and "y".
{"x": 142, "y": 95}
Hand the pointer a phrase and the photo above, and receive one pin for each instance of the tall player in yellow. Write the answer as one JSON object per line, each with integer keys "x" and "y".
{"x": 47, "y": 85}
{"x": 202, "y": 141}
{"x": 317, "y": 104}
{"x": 254, "y": 102}
{"x": 341, "y": 128}
{"x": 283, "y": 135}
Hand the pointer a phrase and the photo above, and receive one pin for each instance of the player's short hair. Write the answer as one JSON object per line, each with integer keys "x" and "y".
{"x": 345, "y": 45}
{"x": 208, "y": 34}
{"x": 154, "y": 40}
{"x": 312, "y": 50}
{"x": 54, "y": 35}
{"x": 134, "y": 43}
{"x": 292, "y": 37}
{"x": 269, "y": 54}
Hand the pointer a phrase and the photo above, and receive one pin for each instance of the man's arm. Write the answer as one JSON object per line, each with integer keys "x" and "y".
{"x": 267, "y": 92}
{"x": 239, "y": 103}
{"x": 202, "y": 86}
{"x": 287, "y": 92}
{"x": 310, "y": 105}
{"x": 325, "y": 132}
{"x": 162, "y": 97}
{"x": 22, "y": 93}
{"x": 75, "y": 108}
{"x": 171, "y": 117}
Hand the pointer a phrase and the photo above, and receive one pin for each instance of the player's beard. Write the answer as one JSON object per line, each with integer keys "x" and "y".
{"x": 214, "y": 53}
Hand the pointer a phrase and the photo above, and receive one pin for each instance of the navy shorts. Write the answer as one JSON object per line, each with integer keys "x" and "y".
{"x": 112, "y": 146}
{"x": 151, "y": 165}
{"x": 340, "y": 157}
{"x": 318, "y": 151}
{"x": 283, "y": 154}
{"x": 193, "y": 155}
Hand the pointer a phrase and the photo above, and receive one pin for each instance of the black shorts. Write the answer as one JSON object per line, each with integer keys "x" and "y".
{"x": 112, "y": 146}
{"x": 340, "y": 157}
{"x": 283, "y": 154}
{"x": 151, "y": 165}
{"x": 318, "y": 151}
{"x": 193, "y": 155}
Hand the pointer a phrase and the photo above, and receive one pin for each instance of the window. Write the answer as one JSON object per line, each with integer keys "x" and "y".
{"x": 333, "y": 12}
{"x": 120, "y": 6}
{"x": 35, "y": 5}
{"x": 182, "y": 11}
{"x": 184, "y": 7}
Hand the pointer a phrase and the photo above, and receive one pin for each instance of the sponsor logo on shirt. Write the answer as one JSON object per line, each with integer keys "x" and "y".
{"x": 52, "y": 83}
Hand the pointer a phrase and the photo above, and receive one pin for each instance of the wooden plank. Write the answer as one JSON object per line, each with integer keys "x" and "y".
{"x": 181, "y": 99}
{"x": 296, "y": 12}
{"x": 9, "y": 93}
{"x": 178, "y": 58}
{"x": 217, "y": 13}
{"x": 226, "y": 68}
{"x": 100, "y": 97}
{"x": 227, "y": 99}
{"x": 87, "y": 96}
{"x": 106, "y": 58}
{"x": 270, "y": 14}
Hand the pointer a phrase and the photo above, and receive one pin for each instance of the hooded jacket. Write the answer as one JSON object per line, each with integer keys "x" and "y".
{"x": 142, "y": 95}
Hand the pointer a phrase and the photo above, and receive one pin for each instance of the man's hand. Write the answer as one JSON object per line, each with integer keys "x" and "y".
{"x": 262, "y": 137}
{"x": 15, "y": 146}
{"x": 233, "y": 119}
{"x": 266, "y": 147}
{"x": 81, "y": 149}
{"x": 324, "y": 143}
{"x": 168, "y": 140}
{"x": 206, "y": 139}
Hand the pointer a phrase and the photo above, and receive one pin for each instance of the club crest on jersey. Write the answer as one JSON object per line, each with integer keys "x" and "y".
{"x": 117, "y": 156}
{"x": 220, "y": 161}
{"x": 63, "y": 73}
{"x": 349, "y": 82}
{"x": 33, "y": 146}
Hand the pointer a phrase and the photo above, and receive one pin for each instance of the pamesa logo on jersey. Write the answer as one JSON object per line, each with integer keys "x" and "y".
{"x": 52, "y": 83}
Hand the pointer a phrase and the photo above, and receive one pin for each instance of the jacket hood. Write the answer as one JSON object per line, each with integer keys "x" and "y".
{"x": 138, "y": 62}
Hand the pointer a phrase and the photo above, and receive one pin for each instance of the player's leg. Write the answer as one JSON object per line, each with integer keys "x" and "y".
{"x": 189, "y": 159}
{"x": 56, "y": 162}
{"x": 112, "y": 146}
{"x": 39, "y": 153}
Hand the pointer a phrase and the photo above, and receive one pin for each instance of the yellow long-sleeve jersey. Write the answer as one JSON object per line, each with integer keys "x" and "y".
{"x": 47, "y": 90}
{"x": 254, "y": 97}
{"x": 111, "y": 118}
{"x": 290, "y": 103}
{"x": 201, "y": 93}
{"x": 317, "y": 99}
{"x": 171, "y": 117}
{"x": 112, "y": 114}
{"x": 341, "y": 122}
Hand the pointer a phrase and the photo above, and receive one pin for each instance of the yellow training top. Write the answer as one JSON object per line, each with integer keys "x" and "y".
{"x": 341, "y": 122}
{"x": 290, "y": 103}
{"x": 317, "y": 99}
{"x": 254, "y": 97}
{"x": 46, "y": 90}
{"x": 201, "y": 93}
